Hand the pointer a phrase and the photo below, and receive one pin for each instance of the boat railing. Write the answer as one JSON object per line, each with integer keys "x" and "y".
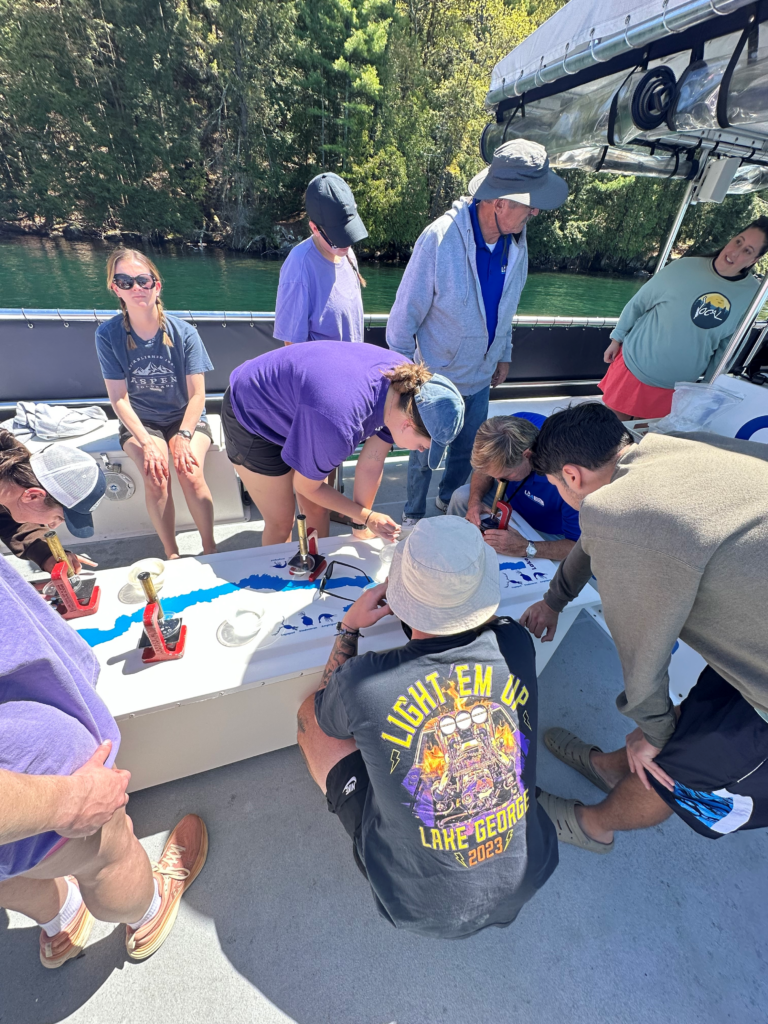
{"x": 31, "y": 316}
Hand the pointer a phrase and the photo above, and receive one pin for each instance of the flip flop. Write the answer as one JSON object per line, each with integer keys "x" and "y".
{"x": 562, "y": 814}
{"x": 70, "y": 941}
{"x": 575, "y": 753}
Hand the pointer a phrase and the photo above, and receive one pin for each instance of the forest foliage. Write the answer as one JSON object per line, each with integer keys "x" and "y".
{"x": 194, "y": 118}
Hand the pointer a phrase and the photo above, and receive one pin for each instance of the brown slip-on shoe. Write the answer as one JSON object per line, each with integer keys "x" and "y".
{"x": 182, "y": 861}
{"x": 70, "y": 941}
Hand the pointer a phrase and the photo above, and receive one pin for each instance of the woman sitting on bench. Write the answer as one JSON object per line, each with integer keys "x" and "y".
{"x": 154, "y": 367}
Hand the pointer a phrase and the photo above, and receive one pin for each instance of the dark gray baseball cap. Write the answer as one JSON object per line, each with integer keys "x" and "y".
{"x": 520, "y": 171}
{"x": 330, "y": 204}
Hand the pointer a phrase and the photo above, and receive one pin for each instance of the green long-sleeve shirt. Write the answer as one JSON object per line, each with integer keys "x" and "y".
{"x": 678, "y": 541}
{"x": 681, "y": 321}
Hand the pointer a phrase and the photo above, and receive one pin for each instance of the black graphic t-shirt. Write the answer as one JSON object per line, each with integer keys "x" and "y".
{"x": 155, "y": 374}
{"x": 453, "y": 839}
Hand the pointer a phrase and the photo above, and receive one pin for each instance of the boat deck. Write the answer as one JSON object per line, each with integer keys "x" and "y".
{"x": 280, "y": 926}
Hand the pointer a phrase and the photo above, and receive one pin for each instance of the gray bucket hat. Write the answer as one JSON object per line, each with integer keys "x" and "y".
{"x": 520, "y": 171}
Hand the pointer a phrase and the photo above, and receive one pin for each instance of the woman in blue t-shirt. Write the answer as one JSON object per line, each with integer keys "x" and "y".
{"x": 154, "y": 367}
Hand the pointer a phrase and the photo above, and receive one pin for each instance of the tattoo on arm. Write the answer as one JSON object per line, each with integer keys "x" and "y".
{"x": 344, "y": 648}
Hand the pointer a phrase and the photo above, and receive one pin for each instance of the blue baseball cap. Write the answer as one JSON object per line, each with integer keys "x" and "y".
{"x": 441, "y": 408}
{"x": 75, "y": 480}
{"x": 331, "y": 206}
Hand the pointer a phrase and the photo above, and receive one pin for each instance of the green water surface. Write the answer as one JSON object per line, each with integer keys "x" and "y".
{"x": 42, "y": 273}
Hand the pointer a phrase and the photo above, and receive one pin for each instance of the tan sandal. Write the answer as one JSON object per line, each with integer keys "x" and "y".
{"x": 70, "y": 941}
{"x": 575, "y": 753}
{"x": 562, "y": 814}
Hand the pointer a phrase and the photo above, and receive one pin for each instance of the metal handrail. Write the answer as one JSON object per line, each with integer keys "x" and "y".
{"x": 203, "y": 316}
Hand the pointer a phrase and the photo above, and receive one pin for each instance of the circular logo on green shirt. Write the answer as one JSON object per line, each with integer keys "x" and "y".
{"x": 710, "y": 310}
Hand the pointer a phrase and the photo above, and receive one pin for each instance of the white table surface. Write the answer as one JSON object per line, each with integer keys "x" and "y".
{"x": 206, "y": 590}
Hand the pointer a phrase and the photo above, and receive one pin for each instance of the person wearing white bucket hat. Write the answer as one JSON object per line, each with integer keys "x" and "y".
{"x": 427, "y": 752}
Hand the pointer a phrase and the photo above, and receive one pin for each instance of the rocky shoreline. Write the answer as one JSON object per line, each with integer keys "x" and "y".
{"x": 284, "y": 236}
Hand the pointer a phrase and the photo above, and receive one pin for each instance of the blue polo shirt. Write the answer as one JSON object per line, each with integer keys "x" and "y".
{"x": 539, "y": 502}
{"x": 491, "y": 268}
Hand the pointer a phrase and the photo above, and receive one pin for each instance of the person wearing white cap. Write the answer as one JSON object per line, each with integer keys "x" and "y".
{"x": 460, "y": 291}
{"x": 59, "y": 484}
{"x": 427, "y": 752}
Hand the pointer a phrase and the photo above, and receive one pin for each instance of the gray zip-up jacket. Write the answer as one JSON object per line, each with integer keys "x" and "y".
{"x": 439, "y": 303}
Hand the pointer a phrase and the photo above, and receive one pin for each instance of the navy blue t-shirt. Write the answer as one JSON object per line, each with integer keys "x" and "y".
{"x": 155, "y": 375}
{"x": 491, "y": 267}
{"x": 539, "y": 502}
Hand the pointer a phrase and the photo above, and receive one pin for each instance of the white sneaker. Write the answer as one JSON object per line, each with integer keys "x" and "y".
{"x": 409, "y": 521}
{"x": 442, "y": 505}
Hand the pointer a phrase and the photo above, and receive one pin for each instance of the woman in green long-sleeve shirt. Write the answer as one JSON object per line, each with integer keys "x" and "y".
{"x": 679, "y": 324}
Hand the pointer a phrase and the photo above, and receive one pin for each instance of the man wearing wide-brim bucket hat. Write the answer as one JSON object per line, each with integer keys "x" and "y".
{"x": 427, "y": 752}
{"x": 461, "y": 289}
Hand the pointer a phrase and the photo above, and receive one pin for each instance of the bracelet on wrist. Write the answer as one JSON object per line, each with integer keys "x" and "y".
{"x": 365, "y": 524}
{"x": 343, "y": 630}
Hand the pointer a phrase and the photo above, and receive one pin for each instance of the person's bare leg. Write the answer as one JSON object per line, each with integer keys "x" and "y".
{"x": 274, "y": 497}
{"x": 628, "y": 807}
{"x": 318, "y": 517}
{"x": 624, "y": 416}
{"x": 611, "y": 767}
{"x": 158, "y": 497}
{"x": 321, "y": 752}
{"x": 113, "y": 871}
{"x": 197, "y": 492}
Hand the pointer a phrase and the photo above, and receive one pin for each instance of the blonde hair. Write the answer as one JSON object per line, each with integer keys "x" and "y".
{"x": 406, "y": 381}
{"x": 501, "y": 442}
{"x": 114, "y": 259}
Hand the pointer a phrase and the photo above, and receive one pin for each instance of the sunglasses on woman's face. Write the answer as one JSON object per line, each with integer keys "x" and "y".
{"x": 327, "y": 240}
{"x": 125, "y": 282}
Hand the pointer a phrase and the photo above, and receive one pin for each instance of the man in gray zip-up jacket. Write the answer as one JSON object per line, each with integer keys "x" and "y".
{"x": 459, "y": 292}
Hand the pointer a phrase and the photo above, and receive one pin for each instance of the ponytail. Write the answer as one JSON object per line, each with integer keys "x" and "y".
{"x": 406, "y": 381}
{"x": 15, "y": 467}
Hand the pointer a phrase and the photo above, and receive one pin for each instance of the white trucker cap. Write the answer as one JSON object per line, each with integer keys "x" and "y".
{"x": 75, "y": 480}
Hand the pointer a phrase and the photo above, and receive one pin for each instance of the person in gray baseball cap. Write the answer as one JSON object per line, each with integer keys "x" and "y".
{"x": 460, "y": 291}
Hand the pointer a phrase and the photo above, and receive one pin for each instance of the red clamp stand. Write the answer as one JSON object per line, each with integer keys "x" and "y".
{"x": 69, "y": 604}
{"x": 158, "y": 649}
{"x": 307, "y": 561}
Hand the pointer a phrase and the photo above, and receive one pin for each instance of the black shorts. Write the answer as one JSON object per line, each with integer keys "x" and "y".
{"x": 346, "y": 789}
{"x": 166, "y": 431}
{"x": 718, "y": 757}
{"x": 247, "y": 449}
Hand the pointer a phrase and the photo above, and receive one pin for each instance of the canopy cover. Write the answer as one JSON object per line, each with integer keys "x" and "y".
{"x": 583, "y": 23}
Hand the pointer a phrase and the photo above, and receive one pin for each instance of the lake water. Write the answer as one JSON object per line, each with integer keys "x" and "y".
{"x": 40, "y": 273}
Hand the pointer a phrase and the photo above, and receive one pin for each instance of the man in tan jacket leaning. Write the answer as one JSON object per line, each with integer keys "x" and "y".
{"x": 675, "y": 529}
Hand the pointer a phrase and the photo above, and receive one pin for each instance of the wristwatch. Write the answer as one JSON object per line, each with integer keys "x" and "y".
{"x": 185, "y": 433}
{"x": 531, "y": 550}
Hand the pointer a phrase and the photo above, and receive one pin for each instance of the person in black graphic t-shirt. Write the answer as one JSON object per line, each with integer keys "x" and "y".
{"x": 427, "y": 753}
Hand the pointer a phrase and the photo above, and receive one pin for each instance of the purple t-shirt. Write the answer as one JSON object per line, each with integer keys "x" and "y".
{"x": 318, "y": 403}
{"x": 317, "y": 300}
{"x": 51, "y": 719}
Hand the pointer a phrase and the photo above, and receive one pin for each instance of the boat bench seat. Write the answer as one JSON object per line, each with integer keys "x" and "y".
{"x": 128, "y": 517}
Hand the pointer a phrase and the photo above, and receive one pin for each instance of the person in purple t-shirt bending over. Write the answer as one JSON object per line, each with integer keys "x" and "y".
{"x": 319, "y": 297}
{"x": 292, "y": 416}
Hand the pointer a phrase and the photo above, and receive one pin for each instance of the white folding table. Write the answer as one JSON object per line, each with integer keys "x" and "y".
{"x": 221, "y": 704}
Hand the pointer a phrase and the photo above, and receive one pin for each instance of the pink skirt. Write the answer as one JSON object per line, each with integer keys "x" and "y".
{"x": 624, "y": 393}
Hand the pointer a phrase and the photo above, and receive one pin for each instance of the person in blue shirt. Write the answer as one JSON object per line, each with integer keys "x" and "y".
{"x": 154, "y": 368}
{"x": 502, "y": 452}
